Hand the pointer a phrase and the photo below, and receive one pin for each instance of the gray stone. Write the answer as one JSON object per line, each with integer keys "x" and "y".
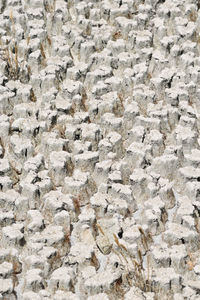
{"x": 6, "y": 218}
{"x": 6, "y": 269}
{"x": 13, "y": 235}
{"x": 178, "y": 234}
{"x": 167, "y": 278}
{"x": 81, "y": 253}
{"x": 99, "y": 203}
{"x": 86, "y": 161}
{"x": 53, "y": 235}
{"x": 35, "y": 221}
{"x": 100, "y": 282}
{"x": 6, "y": 286}
{"x": 33, "y": 280}
{"x": 34, "y": 262}
{"x": 61, "y": 278}
{"x": 59, "y": 166}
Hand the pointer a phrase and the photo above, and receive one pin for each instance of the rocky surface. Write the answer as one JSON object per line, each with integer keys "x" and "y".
{"x": 99, "y": 149}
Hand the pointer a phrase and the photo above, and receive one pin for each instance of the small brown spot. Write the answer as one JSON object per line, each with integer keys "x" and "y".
{"x": 32, "y": 96}
{"x": 116, "y": 35}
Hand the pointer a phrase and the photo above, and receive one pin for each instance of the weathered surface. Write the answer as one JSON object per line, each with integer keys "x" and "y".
{"x": 99, "y": 149}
